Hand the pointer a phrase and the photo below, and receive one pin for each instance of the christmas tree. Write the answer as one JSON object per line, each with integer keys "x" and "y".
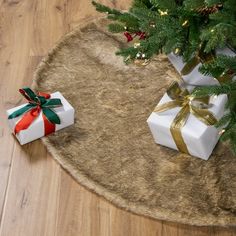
{"x": 193, "y": 29}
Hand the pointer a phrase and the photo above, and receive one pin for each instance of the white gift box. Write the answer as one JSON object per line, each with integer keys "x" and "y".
{"x": 195, "y": 77}
{"x": 199, "y": 138}
{"x": 36, "y": 129}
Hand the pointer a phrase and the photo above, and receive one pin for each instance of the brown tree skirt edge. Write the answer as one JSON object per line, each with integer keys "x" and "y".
{"x": 110, "y": 149}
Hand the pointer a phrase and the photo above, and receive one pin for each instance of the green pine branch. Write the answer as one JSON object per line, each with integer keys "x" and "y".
{"x": 228, "y": 121}
{"x": 104, "y": 9}
{"x": 221, "y": 64}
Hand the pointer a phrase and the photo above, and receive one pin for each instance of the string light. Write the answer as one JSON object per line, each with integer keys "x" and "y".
{"x": 177, "y": 50}
{"x": 127, "y": 58}
{"x": 136, "y": 45}
{"x": 185, "y": 23}
{"x": 222, "y": 131}
{"x": 152, "y": 24}
{"x": 163, "y": 13}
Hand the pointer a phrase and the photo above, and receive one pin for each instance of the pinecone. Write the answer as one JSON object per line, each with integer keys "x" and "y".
{"x": 209, "y": 10}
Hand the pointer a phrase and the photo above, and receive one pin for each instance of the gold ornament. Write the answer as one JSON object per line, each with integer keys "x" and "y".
{"x": 189, "y": 105}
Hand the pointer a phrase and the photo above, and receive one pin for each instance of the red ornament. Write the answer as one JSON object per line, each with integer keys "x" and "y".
{"x": 130, "y": 37}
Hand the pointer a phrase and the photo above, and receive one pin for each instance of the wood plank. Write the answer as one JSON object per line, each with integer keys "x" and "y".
{"x": 220, "y": 231}
{"x": 7, "y": 143}
{"x": 87, "y": 214}
{"x": 6, "y": 149}
{"x": 187, "y": 230}
{"x": 170, "y": 229}
{"x": 31, "y": 200}
{"x": 145, "y": 226}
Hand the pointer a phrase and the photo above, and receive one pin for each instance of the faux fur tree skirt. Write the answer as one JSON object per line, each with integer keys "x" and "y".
{"x": 110, "y": 149}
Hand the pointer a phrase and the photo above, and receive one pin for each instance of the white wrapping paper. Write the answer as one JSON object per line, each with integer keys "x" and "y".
{"x": 36, "y": 129}
{"x": 195, "y": 77}
{"x": 199, "y": 138}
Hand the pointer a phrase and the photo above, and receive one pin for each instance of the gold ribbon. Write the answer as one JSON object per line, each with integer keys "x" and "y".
{"x": 194, "y": 61}
{"x": 225, "y": 77}
{"x": 189, "y": 105}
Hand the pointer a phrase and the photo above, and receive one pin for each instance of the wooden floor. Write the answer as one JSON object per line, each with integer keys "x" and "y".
{"x": 37, "y": 197}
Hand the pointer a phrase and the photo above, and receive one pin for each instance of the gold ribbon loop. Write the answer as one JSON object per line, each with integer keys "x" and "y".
{"x": 168, "y": 106}
{"x": 189, "y": 105}
{"x": 194, "y": 61}
{"x": 174, "y": 91}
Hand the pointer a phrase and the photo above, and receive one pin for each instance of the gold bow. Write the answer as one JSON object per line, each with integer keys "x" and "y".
{"x": 194, "y": 61}
{"x": 189, "y": 105}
